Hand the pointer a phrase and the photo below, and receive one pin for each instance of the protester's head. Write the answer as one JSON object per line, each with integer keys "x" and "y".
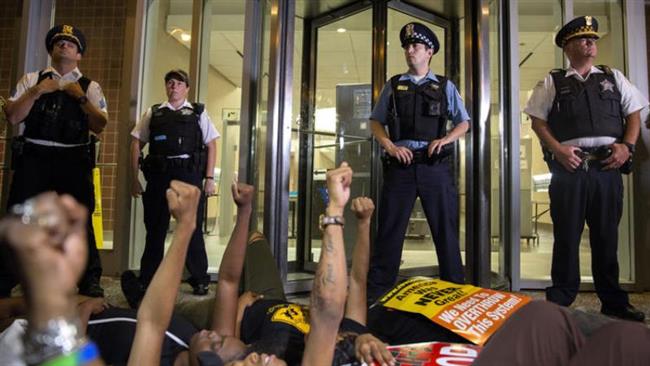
{"x": 65, "y": 43}
{"x": 177, "y": 85}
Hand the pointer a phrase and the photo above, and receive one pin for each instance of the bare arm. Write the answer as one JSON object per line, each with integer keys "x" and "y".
{"x": 224, "y": 318}
{"x": 136, "y": 149}
{"x": 620, "y": 152}
{"x": 330, "y": 282}
{"x": 564, "y": 154}
{"x": 97, "y": 119}
{"x": 401, "y": 153}
{"x": 356, "y": 307}
{"x": 157, "y": 305}
{"x": 453, "y": 135}
{"x": 18, "y": 109}
{"x": 208, "y": 187}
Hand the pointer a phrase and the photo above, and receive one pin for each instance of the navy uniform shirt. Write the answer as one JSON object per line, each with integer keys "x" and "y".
{"x": 456, "y": 111}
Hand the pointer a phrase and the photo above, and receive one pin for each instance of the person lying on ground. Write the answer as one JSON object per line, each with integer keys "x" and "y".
{"x": 47, "y": 238}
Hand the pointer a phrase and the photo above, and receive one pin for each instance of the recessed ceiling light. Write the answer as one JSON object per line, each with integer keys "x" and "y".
{"x": 185, "y": 37}
{"x": 341, "y": 30}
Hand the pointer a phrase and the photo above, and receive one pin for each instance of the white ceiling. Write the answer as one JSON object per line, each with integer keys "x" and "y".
{"x": 345, "y": 58}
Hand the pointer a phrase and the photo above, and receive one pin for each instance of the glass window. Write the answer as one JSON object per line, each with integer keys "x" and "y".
{"x": 611, "y": 52}
{"x": 496, "y": 136}
{"x": 539, "y": 21}
{"x": 338, "y": 130}
{"x": 221, "y": 68}
{"x": 167, "y": 43}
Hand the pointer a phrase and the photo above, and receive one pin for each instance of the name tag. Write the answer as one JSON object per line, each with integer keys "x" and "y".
{"x": 160, "y": 138}
{"x": 402, "y": 87}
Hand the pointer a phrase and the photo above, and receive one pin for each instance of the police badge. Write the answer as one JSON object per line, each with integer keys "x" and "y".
{"x": 606, "y": 85}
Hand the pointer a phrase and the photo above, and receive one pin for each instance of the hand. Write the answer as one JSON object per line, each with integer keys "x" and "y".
{"x": 94, "y": 305}
{"x": 242, "y": 194}
{"x": 368, "y": 349}
{"x": 209, "y": 187}
{"x": 338, "y": 187}
{"x": 136, "y": 187}
{"x": 74, "y": 90}
{"x": 566, "y": 155}
{"x": 620, "y": 154}
{"x": 436, "y": 146}
{"x": 46, "y": 86}
{"x": 246, "y": 299}
{"x": 363, "y": 207}
{"x": 183, "y": 201}
{"x": 51, "y": 251}
{"x": 401, "y": 153}
{"x": 204, "y": 340}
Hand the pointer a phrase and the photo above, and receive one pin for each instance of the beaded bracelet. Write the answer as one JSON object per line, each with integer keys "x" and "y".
{"x": 87, "y": 353}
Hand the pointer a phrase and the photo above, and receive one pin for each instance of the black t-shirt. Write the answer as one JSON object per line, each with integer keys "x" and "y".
{"x": 276, "y": 327}
{"x": 113, "y": 330}
{"x": 400, "y": 327}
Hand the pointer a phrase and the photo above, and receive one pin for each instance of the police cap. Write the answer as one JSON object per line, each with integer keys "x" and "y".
{"x": 177, "y": 74}
{"x": 68, "y": 33}
{"x": 419, "y": 33}
{"x": 586, "y": 26}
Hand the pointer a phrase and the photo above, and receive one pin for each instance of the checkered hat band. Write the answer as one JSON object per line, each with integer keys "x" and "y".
{"x": 66, "y": 35}
{"x": 421, "y": 37}
{"x": 584, "y": 31}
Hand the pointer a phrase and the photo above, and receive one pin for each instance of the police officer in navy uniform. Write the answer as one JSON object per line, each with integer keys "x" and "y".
{"x": 182, "y": 146}
{"x": 56, "y": 109}
{"x": 588, "y": 120}
{"x": 415, "y": 107}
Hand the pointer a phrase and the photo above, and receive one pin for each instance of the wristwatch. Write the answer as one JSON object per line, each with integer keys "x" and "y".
{"x": 82, "y": 100}
{"x": 330, "y": 220}
{"x": 630, "y": 146}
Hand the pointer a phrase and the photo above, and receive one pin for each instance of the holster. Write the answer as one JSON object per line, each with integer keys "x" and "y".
{"x": 17, "y": 150}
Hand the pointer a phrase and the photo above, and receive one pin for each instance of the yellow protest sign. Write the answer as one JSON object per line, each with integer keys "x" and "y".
{"x": 472, "y": 312}
{"x": 98, "y": 226}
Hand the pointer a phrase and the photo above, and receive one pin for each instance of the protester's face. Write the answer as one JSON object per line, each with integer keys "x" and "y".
{"x": 227, "y": 347}
{"x": 65, "y": 50}
{"x": 255, "y": 359}
{"x": 417, "y": 55}
{"x": 176, "y": 90}
{"x": 581, "y": 47}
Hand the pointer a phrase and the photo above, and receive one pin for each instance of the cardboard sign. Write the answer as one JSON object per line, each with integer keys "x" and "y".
{"x": 472, "y": 312}
{"x": 432, "y": 354}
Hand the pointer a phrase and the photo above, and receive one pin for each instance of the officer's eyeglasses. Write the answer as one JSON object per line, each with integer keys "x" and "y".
{"x": 585, "y": 40}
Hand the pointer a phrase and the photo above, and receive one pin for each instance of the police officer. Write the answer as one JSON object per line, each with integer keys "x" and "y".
{"x": 55, "y": 110}
{"x": 588, "y": 120}
{"x": 415, "y": 106}
{"x": 182, "y": 146}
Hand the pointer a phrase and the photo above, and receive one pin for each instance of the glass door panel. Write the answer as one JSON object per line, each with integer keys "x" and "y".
{"x": 338, "y": 129}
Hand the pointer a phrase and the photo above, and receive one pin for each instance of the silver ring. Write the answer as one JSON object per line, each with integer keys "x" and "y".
{"x": 26, "y": 213}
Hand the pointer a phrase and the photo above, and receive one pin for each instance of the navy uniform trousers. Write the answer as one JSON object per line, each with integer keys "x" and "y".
{"x": 156, "y": 221}
{"x": 594, "y": 196}
{"x": 64, "y": 170}
{"x": 434, "y": 184}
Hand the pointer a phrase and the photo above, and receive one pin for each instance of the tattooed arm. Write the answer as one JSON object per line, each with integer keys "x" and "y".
{"x": 330, "y": 283}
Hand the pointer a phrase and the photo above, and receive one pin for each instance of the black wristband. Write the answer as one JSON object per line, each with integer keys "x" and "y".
{"x": 208, "y": 177}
